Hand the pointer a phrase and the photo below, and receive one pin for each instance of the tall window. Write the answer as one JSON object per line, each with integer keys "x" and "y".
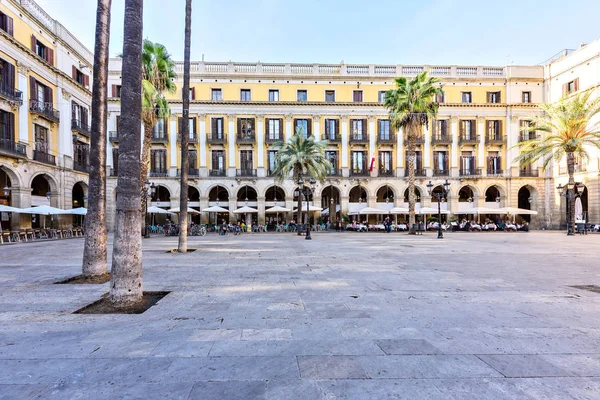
{"x": 218, "y": 160}
{"x": 359, "y": 161}
{"x": 494, "y": 129}
{"x": 216, "y": 94}
{"x": 384, "y": 129}
{"x": 273, "y": 95}
{"x": 332, "y": 157}
{"x": 494, "y": 164}
{"x": 526, "y": 97}
{"x": 357, "y": 96}
{"x": 7, "y": 129}
{"x": 440, "y": 97}
{"x": 302, "y": 95}
{"x": 274, "y": 129}
{"x": 381, "y": 96}
{"x": 158, "y": 161}
{"x": 217, "y": 131}
{"x": 192, "y": 93}
{"x": 6, "y": 24}
{"x": 246, "y": 127}
{"x": 467, "y": 129}
{"x": 441, "y": 128}
{"x": 330, "y": 96}
{"x": 385, "y": 161}
{"x": 271, "y": 158}
{"x": 571, "y": 87}
{"x": 467, "y": 162}
{"x": 115, "y": 163}
{"x": 160, "y": 130}
{"x": 331, "y": 129}
{"x": 41, "y": 139}
{"x": 80, "y": 154}
{"x": 192, "y": 160}
{"x": 303, "y": 126}
{"x": 7, "y": 77}
{"x": 245, "y": 95}
{"x": 418, "y": 160}
{"x": 493, "y": 97}
{"x": 246, "y": 162}
{"x": 440, "y": 161}
{"x": 466, "y": 97}
{"x": 357, "y": 127}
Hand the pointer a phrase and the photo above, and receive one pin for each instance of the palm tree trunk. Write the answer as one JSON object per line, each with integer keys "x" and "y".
{"x": 411, "y": 180}
{"x": 571, "y": 192}
{"x": 300, "y": 194}
{"x": 183, "y": 200}
{"x": 126, "y": 274}
{"x": 148, "y": 127}
{"x": 94, "y": 248}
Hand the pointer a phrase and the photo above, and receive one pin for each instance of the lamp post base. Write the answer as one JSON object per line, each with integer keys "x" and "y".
{"x": 440, "y": 235}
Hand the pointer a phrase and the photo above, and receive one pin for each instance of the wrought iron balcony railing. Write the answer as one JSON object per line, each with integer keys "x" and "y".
{"x": 44, "y": 110}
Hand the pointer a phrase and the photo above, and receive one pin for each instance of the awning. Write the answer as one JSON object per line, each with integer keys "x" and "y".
{"x": 4, "y": 208}
{"x": 78, "y": 211}
{"x": 245, "y": 210}
{"x": 43, "y": 210}
{"x": 371, "y": 210}
{"x": 276, "y": 209}
{"x": 310, "y": 208}
{"x": 430, "y": 210}
{"x": 399, "y": 210}
{"x": 158, "y": 210}
{"x": 189, "y": 210}
{"x": 518, "y": 211}
{"x": 480, "y": 210}
{"x": 326, "y": 211}
{"x": 217, "y": 209}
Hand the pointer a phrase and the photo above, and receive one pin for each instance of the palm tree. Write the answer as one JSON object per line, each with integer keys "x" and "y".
{"x": 411, "y": 105}
{"x": 569, "y": 131}
{"x": 157, "y": 79}
{"x": 126, "y": 273}
{"x": 301, "y": 156}
{"x": 183, "y": 201}
{"x": 94, "y": 249}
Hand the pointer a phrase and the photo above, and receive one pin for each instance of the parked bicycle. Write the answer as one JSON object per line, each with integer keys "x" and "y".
{"x": 197, "y": 230}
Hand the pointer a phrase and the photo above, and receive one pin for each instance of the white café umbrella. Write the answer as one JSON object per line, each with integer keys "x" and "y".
{"x": 158, "y": 210}
{"x": 310, "y": 208}
{"x": 7, "y": 209}
{"x": 429, "y": 210}
{"x": 215, "y": 209}
{"x": 276, "y": 209}
{"x": 578, "y": 209}
{"x": 77, "y": 211}
{"x": 245, "y": 210}
{"x": 44, "y": 210}
{"x": 518, "y": 211}
{"x": 176, "y": 210}
{"x": 326, "y": 211}
{"x": 480, "y": 210}
{"x": 371, "y": 211}
{"x": 399, "y": 210}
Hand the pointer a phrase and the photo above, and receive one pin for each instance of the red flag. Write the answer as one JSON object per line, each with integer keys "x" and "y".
{"x": 372, "y": 162}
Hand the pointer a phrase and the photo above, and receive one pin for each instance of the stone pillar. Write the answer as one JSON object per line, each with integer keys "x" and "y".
{"x": 344, "y": 204}
{"x": 481, "y": 148}
{"x": 372, "y": 140}
{"x": 512, "y": 138}
{"x": 345, "y": 140}
{"x": 65, "y": 137}
{"x": 202, "y": 138}
{"x": 261, "y": 211}
{"x": 454, "y": 152}
{"x": 23, "y": 82}
{"x": 288, "y": 127}
{"x": 232, "y": 207}
{"x": 231, "y": 145}
{"x": 20, "y": 198}
{"x": 427, "y": 148}
{"x": 260, "y": 148}
{"x": 316, "y": 127}
{"x": 172, "y": 147}
{"x": 400, "y": 153}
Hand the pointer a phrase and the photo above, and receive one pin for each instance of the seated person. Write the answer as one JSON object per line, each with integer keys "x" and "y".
{"x": 510, "y": 226}
{"x": 474, "y": 226}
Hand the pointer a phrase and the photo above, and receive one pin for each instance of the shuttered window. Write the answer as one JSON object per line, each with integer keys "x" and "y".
{"x": 7, "y": 129}
{"x": 218, "y": 160}
{"x": 493, "y": 97}
{"x": 332, "y": 127}
{"x": 526, "y": 97}
{"x": 302, "y": 95}
{"x": 246, "y": 162}
{"x": 44, "y": 52}
{"x": 216, "y": 94}
{"x": 158, "y": 161}
{"x": 357, "y": 96}
{"x": 7, "y": 77}
{"x": 303, "y": 126}
{"x": 216, "y": 126}
{"x": 330, "y": 96}
{"x": 6, "y": 24}
{"x": 466, "y": 97}
{"x": 274, "y": 128}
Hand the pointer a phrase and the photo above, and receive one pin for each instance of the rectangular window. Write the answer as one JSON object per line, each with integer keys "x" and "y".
{"x": 381, "y": 96}
{"x": 245, "y": 95}
{"x": 116, "y": 91}
{"x": 440, "y": 161}
{"x": 192, "y": 160}
{"x": 115, "y": 161}
{"x": 218, "y": 160}
{"x": 385, "y": 161}
{"x": 331, "y": 129}
{"x": 303, "y": 126}
{"x": 192, "y": 93}
{"x": 494, "y": 129}
{"x": 6, "y": 24}
{"x": 494, "y": 163}
{"x": 357, "y": 128}
{"x": 302, "y": 95}
{"x": 246, "y": 162}
{"x": 45, "y": 53}
{"x": 246, "y": 128}
{"x": 217, "y": 131}
{"x": 466, "y": 97}
{"x": 330, "y": 96}
{"x": 158, "y": 161}
{"x": 493, "y": 97}
{"x": 192, "y": 127}
{"x": 216, "y": 95}
{"x": 526, "y": 97}
{"x": 357, "y": 96}
{"x": 467, "y": 129}
{"x": 359, "y": 161}
{"x": 41, "y": 139}
{"x": 274, "y": 129}
{"x": 7, "y": 78}
{"x": 441, "y": 127}
{"x": 384, "y": 129}
{"x": 80, "y": 77}
{"x": 467, "y": 163}
{"x": 80, "y": 154}
{"x": 271, "y": 158}
{"x": 160, "y": 130}
{"x": 7, "y": 130}
{"x": 440, "y": 97}
{"x": 273, "y": 95}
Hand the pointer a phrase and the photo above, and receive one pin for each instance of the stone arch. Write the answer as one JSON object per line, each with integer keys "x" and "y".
{"x": 219, "y": 191}
{"x": 277, "y": 191}
{"x": 418, "y": 194}
{"x": 385, "y": 193}
{"x": 437, "y": 189}
{"x": 467, "y": 192}
{"x": 193, "y": 193}
{"x": 492, "y": 192}
{"x": 79, "y": 194}
{"x": 162, "y": 194}
{"x": 358, "y": 193}
{"x": 248, "y": 192}
{"x": 15, "y": 179}
{"x": 52, "y": 182}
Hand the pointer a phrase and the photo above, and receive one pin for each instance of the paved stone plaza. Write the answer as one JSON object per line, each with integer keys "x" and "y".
{"x": 349, "y": 316}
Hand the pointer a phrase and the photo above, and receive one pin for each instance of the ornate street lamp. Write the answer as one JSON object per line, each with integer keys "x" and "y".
{"x": 439, "y": 196}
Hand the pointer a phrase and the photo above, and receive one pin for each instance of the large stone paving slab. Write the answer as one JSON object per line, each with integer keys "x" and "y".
{"x": 344, "y": 316}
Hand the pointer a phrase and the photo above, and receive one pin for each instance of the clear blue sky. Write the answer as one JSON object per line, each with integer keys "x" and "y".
{"x": 471, "y": 32}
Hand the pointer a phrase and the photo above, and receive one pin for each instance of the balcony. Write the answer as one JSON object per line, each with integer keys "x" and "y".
{"x": 529, "y": 173}
{"x": 273, "y": 138}
{"x": 334, "y": 172}
{"x": 81, "y": 167}
{"x": 245, "y": 173}
{"x": 386, "y": 172}
{"x": 216, "y": 138}
{"x": 386, "y": 138}
{"x": 469, "y": 172}
{"x": 496, "y": 139}
{"x": 359, "y": 138}
{"x": 472, "y": 139}
{"x": 44, "y": 157}
{"x": 333, "y": 138}
{"x": 495, "y": 172}
{"x": 192, "y": 172}
{"x": 8, "y": 146}
{"x": 525, "y": 136}
{"x": 113, "y": 136}
{"x": 359, "y": 172}
{"x": 217, "y": 172}
{"x": 158, "y": 173}
{"x": 44, "y": 110}
{"x": 418, "y": 141}
{"x": 419, "y": 172}
{"x": 245, "y": 138}
{"x": 113, "y": 172}
{"x": 441, "y": 172}
{"x": 441, "y": 139}
{"x": 13, "y": 95}
{"x": 160, "y": 138}
{"x": 80, "y": 127}
{"x": 192, "y": 137}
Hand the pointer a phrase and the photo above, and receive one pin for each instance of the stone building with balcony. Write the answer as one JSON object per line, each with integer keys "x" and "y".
{"x": 44, "y": 113}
